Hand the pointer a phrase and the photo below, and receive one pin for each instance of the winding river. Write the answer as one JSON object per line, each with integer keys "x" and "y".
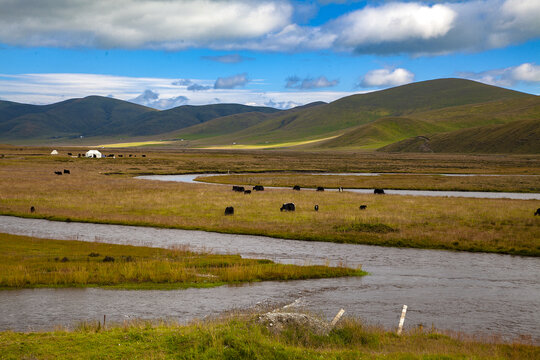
{"x": 192, "y": 178}
{"x": 470, "y": 292}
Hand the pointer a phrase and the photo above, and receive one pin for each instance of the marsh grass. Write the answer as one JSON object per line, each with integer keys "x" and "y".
{"x": 32, "y": 262}
{"x": 242, "y": 337}
{"x": 530, "y": 183}
{"x": 88, "y": 195}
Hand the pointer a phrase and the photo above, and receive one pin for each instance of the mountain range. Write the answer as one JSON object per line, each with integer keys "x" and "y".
{"x": 444, "y": 115}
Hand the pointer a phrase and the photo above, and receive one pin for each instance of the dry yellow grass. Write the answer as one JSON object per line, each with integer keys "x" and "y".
{"x": 506, "y": 226}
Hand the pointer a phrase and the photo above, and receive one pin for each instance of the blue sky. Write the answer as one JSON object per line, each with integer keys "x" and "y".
{"x": 281, "y": 53}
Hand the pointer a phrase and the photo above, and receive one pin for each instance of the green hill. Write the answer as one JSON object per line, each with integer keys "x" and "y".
{"x": 97, "y": 116}
{"x": 185, "y": 116}
{"x": 517, "y": 137}
{"x": 385, "y": 131}
{"x": 382, "y": 117}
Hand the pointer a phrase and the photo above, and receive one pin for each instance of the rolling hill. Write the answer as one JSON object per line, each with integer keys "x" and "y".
{"x": 373, "y": 120}
{"x": 517, "y": 137}
{"x": 396, "y": 119}
{"x": 96, "y": 116}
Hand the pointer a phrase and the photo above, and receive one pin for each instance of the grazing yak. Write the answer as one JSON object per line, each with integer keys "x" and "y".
{"x": 378, "y": 191}
{"x": 296, "y": 187}
{"x": 70, "y": 154}
{"x": 320, "y": 188}
{"x": 537, "y": 212}
{"x": 363, "y": 207}
{"x": 258, "y": 188}
{"x": 32, "y": 209}
{"x": 247, "y": 192}
{"x": 229, "y": 210}
{"x": 66, "y": 171}
{"x": 58, "y": 172}
{"x": 238, "y": 188}
{"x": 316, "y": 207}
{"x": 288, "y": 207}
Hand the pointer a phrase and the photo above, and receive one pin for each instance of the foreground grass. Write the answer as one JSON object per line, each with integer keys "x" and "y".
{"x": 242, "y": 337}
{"x": 89, "y": 195}
{"x": 32, "y": 262}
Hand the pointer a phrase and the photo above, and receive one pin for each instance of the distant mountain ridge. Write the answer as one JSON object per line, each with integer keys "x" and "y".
{"x": 395, "y": 119}
{"x": 95, "y": 116}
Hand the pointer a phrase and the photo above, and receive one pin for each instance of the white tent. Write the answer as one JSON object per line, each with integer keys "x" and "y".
{"x": 54, "y": 152}
{"x": 93, "y": 154}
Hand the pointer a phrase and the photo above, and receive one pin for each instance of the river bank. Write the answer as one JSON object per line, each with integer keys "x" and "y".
{"x": 242, "y": 336}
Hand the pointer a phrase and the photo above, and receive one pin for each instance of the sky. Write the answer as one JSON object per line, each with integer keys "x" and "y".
{"x": 279, "y": 53}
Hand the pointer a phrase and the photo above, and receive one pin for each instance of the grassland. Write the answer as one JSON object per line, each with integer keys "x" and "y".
{"x": 242, "y": 337}
{"x": 89, "y": 195}
{"x": 268, "y": 145}
{"x": 134, "y": 144}
{"x": 391, "y": 181}
{"x": 27, "y": 262}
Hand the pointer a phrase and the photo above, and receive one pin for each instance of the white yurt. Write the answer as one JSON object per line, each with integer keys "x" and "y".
{"x": 54, "y": 152}
{"x": 93, "y": 154}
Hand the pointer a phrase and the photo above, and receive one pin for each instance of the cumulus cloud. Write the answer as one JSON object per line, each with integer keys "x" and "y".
{"x": 151, "y": 99}
{"x": 228, "y": 59}
{"x": 386, "y": 77}
{"x": 198, "y": 87}
{"x": 283, "y": 105}
{"x": 381, "y": 27}
{"x": 526, "y": 73}
{"x": 294, "y": 82}
{"x": 394, "y": 22}
{"x": 231, "y": 82}
{"x": 138, "y": 23}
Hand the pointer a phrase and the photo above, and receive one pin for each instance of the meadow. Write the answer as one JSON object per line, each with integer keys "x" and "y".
{"x": 27, "y": 262}
{"x": 529, "y": 183}
{"x": 241, "y": 336}
{"x": 103, "y": 191}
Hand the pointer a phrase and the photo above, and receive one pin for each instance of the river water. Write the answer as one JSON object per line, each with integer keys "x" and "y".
{"x": 191, "y": 178}
{"x": 469, "y": 292}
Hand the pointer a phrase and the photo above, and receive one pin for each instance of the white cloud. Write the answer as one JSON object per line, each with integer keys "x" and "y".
{"x": 386, "y": 77}
{"x": 151, "y": 99}
{"x": 231, "y": 82}
{"x": 138, "y": 23}
{"x": 525, "y": 73}
{"x": 394, "y": 22}
{"x": 294, "y": 82}
{"x": 383, "y": 27}
{"x": 51, "y": 88}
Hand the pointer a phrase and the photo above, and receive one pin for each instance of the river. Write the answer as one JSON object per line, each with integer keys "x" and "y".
{"x": 191, "y": 178}
{"x": 469, "y": 292}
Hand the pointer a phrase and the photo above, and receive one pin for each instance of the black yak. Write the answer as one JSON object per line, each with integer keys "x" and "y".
{"x": 288, "y": 207}
{"x": 229, "y": 210}
{"x": 378, "y": 191}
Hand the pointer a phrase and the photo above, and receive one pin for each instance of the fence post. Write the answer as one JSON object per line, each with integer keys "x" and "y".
{"x": 337, "y": 317}
{"x": 402, "y": 319}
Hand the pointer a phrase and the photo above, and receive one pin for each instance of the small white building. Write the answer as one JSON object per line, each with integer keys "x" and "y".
{"x": 93, "y": 154}
{"x": 54, "y": 152}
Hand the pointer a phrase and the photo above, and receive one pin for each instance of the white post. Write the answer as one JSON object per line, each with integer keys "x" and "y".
{"x": 402, "y": 319}
{"x": 337, "y": 317}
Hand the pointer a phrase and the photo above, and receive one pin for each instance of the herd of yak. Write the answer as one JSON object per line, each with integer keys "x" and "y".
{"x": 229, "y": 210}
